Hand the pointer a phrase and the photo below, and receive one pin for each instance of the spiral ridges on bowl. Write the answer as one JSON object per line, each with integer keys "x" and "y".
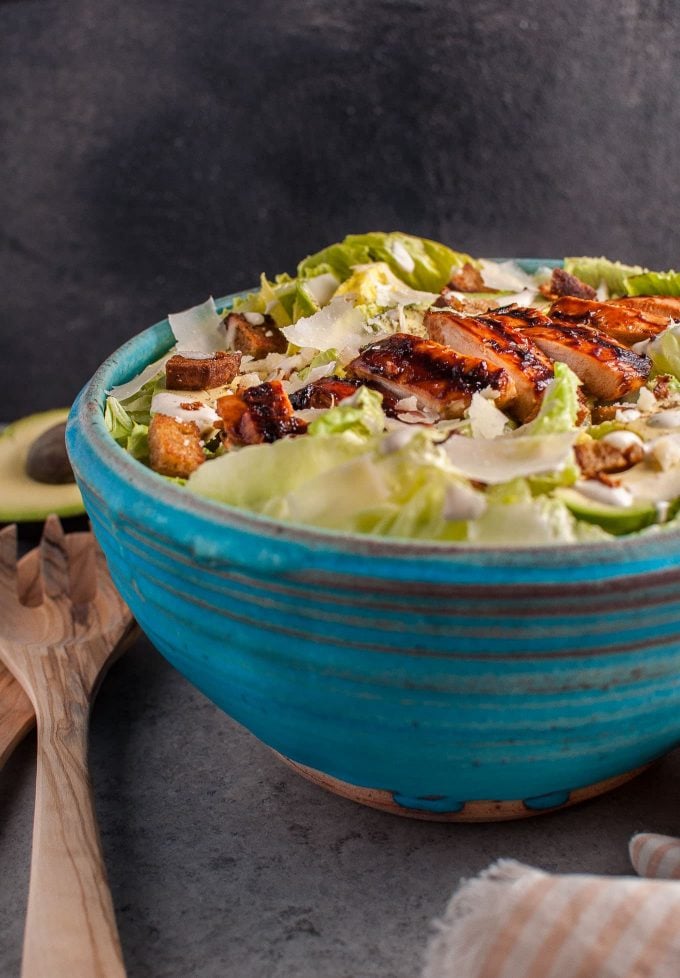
{"x": 437, "y": 676}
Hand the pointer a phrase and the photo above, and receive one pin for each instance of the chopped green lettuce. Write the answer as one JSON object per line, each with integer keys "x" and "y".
{"x": 130, "y": 434}
{"x": 361, "y": 414}
{"x": 654, "y": 283}
{"x": 421, "y": 263}
{"x": 514, "y": 515}
{"x": 595, "y": 271}
{"x": 326, "y": 356}
{"x": 560, "y": 405}
{"x": 376, "y": 287}
{"x": 664, "y": 351}
{"x": 259, "y": 477}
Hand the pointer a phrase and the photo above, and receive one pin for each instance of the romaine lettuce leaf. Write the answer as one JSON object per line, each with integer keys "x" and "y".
{"x": 377, "y": 286}
{"x": 130, "y": 434}
{"x": 361, "y": 414}
{"x": 560, "y": 405}
{"x": 654, "y": 283}
{"x": 595, "y": 271}
{"x": 259, "y": 477}
{"x": 514, "y": 515}
{"x": 664, "y": 351}
{"x": 421, "y": 263}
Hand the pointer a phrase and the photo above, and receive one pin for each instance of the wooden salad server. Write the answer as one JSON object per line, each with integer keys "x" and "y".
{"x": 17, "y": 716}
{"x": 58, "y": 650}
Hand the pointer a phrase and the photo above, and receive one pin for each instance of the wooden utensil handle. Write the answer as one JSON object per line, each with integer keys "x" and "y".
{"x": 70, "y": 925}
{"x": 16, "y": 714}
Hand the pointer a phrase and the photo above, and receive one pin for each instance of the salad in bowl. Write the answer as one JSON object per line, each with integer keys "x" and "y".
{"x": 397, "y": 388}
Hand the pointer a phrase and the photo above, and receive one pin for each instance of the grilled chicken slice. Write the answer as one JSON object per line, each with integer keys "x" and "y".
{"x": 651, "y": 307}
{"x": 259, "y": 414}
{"x": 329, "y": 391}
{"x": 442, "y": 380}
{"x": 495, "y": 339}
{"x": 323, "y": 393}
{"x": 624, "y": 324}
{"x": 606, "y": 369}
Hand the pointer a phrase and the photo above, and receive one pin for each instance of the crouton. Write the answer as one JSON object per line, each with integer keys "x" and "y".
{"x": 562, "y": 283}
{"x": 598, "y": 458}
{"x": 468, "y": 279}
{"x": 255, "y": 340}
{"x": 192, "y": 374}
{"x": 174, "y": 446}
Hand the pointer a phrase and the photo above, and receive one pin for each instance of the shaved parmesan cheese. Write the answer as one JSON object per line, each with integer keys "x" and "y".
{"x": 524, "y": 298}
{"x": 666, "y": 451}
{"x": 322, "y": 287}
{"x": 502, "y": 459}
{"x": 485, "y": 418}
{"x": 199, "y": 329}
{"x": 399, "y": 294}
{"x": 506, "y": 275}
{"x": 646, "y": 401}
{"x": 315, "y": 373}
{"x": 407, "y": 404}
{"x": 246, "y": 380}
{"x": 123, "y": 391}
{"x": 195, "y": 355}
{"x": 339, "y": 324}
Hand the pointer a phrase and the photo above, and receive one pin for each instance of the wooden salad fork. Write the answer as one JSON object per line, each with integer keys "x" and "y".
{"x": 58, "y": 651}
{"x": 17, "y": 716}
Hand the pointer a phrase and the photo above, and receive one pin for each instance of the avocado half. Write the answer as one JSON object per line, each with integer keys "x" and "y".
{"x": 23, "y": 499}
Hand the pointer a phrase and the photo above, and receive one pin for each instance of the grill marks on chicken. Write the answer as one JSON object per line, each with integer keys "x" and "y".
{"x": 259, "y": 414}
{"x": 496, "y": 340}
{"x": 442, "y": 380}
{"x": 323, "y": 393}
{"x": 624, "y": 323}
{"x": 607, "y": 369}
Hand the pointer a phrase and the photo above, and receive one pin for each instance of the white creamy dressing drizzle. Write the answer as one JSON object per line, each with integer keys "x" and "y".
{"x": 622, "y": 439}
{"x": 665, "y": 419}
{"x": 167, "y": 402}
{"x": 254, "y": 318}
{"x": 609, "y": 495}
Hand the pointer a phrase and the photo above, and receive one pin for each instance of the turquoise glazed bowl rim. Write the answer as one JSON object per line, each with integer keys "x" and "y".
{"x": 88, "y": 439}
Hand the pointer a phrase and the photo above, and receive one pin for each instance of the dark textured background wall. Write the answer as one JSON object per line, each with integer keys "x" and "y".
{"x": 154, "y": 152}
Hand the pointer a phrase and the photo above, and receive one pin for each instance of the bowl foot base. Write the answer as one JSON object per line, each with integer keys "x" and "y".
{"x": 468, "y": 811}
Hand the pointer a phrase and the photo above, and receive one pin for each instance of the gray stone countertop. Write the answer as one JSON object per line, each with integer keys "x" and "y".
{"x": 223, "y": 862}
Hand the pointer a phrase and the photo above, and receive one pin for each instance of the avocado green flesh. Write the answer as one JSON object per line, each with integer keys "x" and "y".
{"x": 613, "y": 519}
{"x": 22, "y": 499}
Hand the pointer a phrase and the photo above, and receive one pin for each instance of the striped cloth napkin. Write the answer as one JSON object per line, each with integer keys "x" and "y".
{"x": 517, "y": 922}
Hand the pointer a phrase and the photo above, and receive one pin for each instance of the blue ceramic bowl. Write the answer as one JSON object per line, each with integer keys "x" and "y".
{"x": 432, "y": 681}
